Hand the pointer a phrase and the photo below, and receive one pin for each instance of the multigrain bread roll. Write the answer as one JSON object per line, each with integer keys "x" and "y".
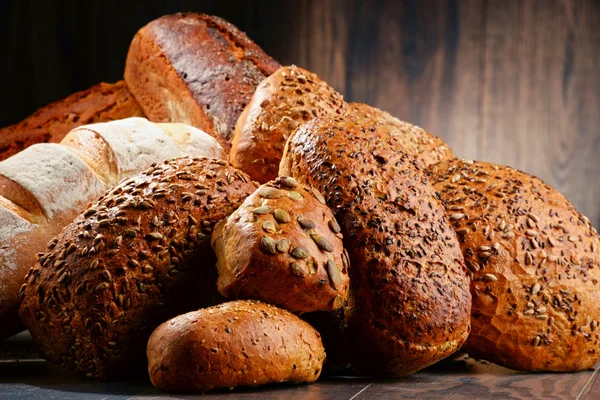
{"x": 285, "y": 100}
{"x": 283, "y": 246}
{"x": 195, "y": 69}
{"x": 100, "y": 103}
{"x": 43, "y": 188}
{"x": 132, "y": 260}
{"x": 534, "y": 264}
{"x": 412, "y": 300}
{"x": 241, "y": 343}
{"x": 427, "y": 148}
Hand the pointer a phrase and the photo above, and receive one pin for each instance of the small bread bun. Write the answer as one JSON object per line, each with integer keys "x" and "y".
{"x": 288, "y": 98}
{"x": 534, "y": 267}
{"x": 241, "y": 343}
{"x": 283, "y": 246}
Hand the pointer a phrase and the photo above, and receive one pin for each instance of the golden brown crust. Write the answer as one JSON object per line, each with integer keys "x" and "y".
{"x": 283, "y": 246}
{"x": 195, "y": 69}
{"x": 102, "y": 102}
{"x": 137, "y": 257}
{"x": 241, "y": 343}
{"x": 427, "y": 148}
{"x": 534, "y": 264}
{"x": 285, "y": 100}
{"x": 408, "y": 275}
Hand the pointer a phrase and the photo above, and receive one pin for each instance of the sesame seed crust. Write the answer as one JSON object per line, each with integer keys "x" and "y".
{"x": 408, "y": 278}
{"x": 534, "y": 267}
{"x": 135, "y": 258}
{"x": 286, "y": 254}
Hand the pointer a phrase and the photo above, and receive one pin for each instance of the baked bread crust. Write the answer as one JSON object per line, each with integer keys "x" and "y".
{"x": 534, "y": 263}
{"x": 283, "y": 246}
{"x": 241, "y": 343}
{"x": 428, "y": 149}
{"x": 412, "y": 300}
{"x": 195, "y": 69}
{"x": 137, "y": 257}
{"x": 100, "y": 103}
{"x": 285, "y": 100}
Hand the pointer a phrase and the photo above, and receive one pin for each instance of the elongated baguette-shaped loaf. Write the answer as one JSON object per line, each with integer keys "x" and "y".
{"x": 241, "y": 343}
{"x": 137, "y": 257}
{"x": 45, "y": 186}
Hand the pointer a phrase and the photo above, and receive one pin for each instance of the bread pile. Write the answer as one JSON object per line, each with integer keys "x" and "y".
{"x": 150, "y": 246}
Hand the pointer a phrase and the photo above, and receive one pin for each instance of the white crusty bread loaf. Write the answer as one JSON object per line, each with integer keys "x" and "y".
{"x": 45, "y": 186}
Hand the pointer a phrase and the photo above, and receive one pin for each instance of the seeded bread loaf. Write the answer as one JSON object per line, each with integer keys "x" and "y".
{"x": 103, "y": 102}
{"x": 195, "y": 69}
{"x": 283, "y": 246}
{"x": 412, "y": 300}
{"x": 534, "y": 267}
{"x": 427, "y": 148}
{"x": 137, "y": 257}
{"x": 241, "y": 343}
{"x": 285, "y": 100}
{"x": 47, "y": 185}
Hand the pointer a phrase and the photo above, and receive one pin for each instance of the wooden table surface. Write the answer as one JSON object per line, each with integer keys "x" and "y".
{"x": 24, "y": 376}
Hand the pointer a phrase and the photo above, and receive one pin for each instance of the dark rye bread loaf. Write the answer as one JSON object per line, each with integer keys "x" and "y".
{"x": 195, "y": 69}
{"x": 283, "y": 246}
{"x": 137, "y": 257}
{"x": 411, "y": 293}
{"x": 100, "y": 103}
{"x": 241, "y": 343}
{"x": 534, "y": 263}
{"x": 285, "y": 100}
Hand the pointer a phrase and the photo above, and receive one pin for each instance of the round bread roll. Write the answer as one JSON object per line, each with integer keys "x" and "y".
{"x": 534, "y": 265}
{"x": 283, "y": 246}
{"x": 288, "y": 98}
{"x": 137, "y": 257}
{"x": 427, "y": 148}
{"x": 241, "y": 343}
{"x": 411, "y": 293}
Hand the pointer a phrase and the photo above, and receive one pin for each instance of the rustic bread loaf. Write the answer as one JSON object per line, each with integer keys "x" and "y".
{"x": 241, "y": 343}
{"x": 283, "y": 246}
{"x": 534, "y": 267}
{"x": 195, "y": 69}
{"x": 137, "y": 257}
{"x": 45, "y": 186}
{"x": 412, "y": 300}
{"x": 427, "y": 148}
{"x": 102, "y": 102}
{"x": 285, "y": 100}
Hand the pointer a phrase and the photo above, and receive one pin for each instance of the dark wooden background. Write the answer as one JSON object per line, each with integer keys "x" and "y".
{"x": 510, "y": 81}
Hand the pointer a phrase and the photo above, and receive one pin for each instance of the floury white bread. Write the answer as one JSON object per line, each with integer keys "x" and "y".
{"x": 45, "y": 186}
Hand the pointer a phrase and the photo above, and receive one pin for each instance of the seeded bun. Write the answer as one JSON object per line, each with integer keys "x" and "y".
{"x": 412, "y": 300}
{"x": 427, "y": 148}
{"x": 241, "y": 343}
{"x": 137, "y": 257}
{"x": 283, "y": 246}
{"x": 534, "y": 265}
{"x": 285, "y": 100}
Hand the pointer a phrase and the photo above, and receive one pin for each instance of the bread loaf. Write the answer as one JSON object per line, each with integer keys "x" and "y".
{"x": 427, "y": 148}
{"x": 137, "y": 257}
{"x": 241, "y": 343}
{"x": 283, "y": 246}
{"x": 534, "y": 267}
{"x": 285, "y": 100}
{"x": 195, "y": 69}
{"x": 45, "y": 186}
{"x": 102, "y": 102}
{"x": 412, "y": 300}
